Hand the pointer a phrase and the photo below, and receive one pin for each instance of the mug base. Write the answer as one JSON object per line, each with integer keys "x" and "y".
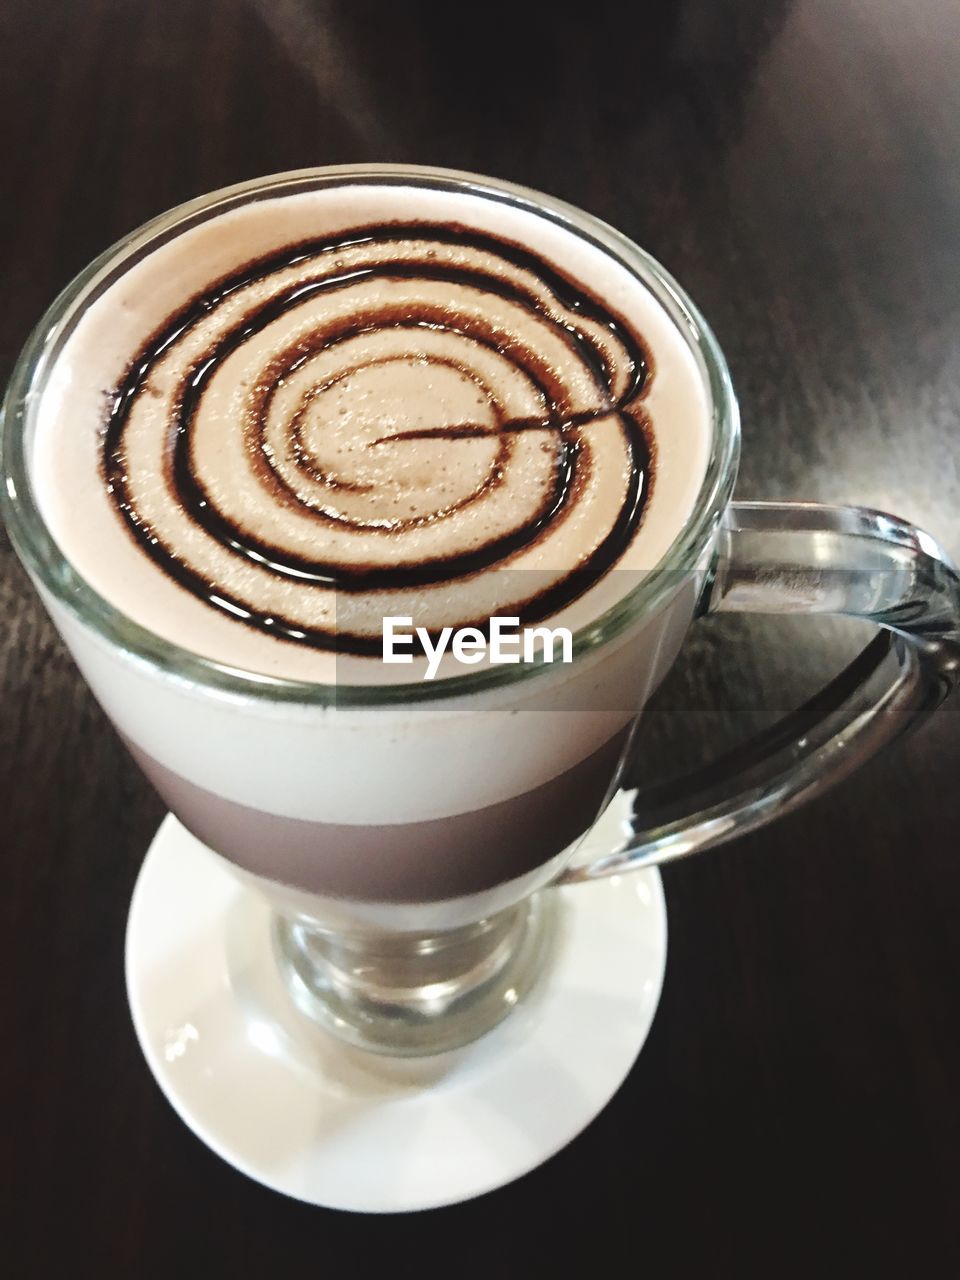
{"x": 300, "y": 1111}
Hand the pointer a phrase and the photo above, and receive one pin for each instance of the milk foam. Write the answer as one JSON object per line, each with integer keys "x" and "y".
{"x": 385, "y": 500}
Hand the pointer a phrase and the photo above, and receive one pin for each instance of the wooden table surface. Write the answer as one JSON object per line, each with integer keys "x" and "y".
{"x": 796, "y": 163}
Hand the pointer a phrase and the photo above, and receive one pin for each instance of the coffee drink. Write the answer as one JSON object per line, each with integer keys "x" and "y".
{"x": 281, "y": 418}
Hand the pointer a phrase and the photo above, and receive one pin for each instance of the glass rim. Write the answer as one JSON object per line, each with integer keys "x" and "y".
{"x": 43, "y": 558}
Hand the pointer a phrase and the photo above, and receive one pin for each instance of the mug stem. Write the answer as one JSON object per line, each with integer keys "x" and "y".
{"x": 412, "y": 994}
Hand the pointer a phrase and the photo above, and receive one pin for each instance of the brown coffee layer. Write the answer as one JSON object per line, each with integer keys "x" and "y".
{"x": 412, "y": 862}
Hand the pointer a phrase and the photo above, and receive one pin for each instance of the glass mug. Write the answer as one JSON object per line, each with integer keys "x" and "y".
{"x": 412, "y": 891}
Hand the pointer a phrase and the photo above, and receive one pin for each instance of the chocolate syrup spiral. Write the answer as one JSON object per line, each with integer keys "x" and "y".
{"x": 384, "y": 422}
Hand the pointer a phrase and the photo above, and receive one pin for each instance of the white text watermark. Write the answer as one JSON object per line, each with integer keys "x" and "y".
{"x": 505, "y": 641}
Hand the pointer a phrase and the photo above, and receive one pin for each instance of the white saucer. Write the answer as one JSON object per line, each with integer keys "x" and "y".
{"x": 294, "y": 1109}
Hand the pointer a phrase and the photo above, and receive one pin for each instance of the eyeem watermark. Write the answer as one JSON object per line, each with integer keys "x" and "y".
{"x": 505, "y": 642}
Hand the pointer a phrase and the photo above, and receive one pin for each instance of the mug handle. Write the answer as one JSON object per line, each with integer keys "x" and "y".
{"x": 784, "y": 557}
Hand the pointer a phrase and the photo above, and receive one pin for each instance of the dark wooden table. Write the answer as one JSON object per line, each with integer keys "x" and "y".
{"x": 797, "y": 166}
